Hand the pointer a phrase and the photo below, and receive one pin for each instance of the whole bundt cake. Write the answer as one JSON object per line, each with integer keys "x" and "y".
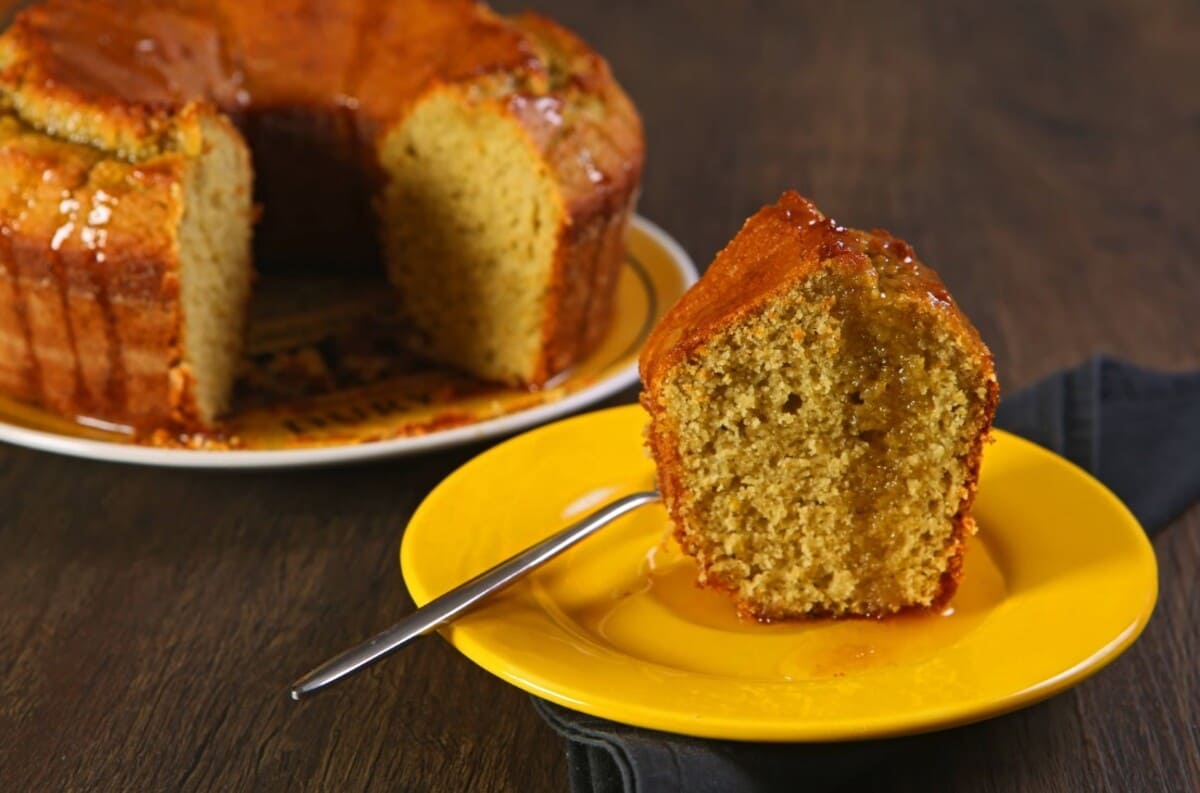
{"x": 818, "y": 408}
{"x": 489, "y": 165}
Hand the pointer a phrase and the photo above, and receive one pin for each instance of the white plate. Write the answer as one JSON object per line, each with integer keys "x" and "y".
{"x": 657, "y": 272}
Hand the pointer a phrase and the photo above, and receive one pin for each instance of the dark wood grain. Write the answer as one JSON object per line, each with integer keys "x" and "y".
{"x": 1045, "y": 158}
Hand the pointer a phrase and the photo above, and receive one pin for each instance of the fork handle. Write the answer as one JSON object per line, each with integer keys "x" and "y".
{"x": 446, "y": 608}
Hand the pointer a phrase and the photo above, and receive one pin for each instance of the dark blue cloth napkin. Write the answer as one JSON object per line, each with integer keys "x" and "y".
{"x": 1136, "y": 430}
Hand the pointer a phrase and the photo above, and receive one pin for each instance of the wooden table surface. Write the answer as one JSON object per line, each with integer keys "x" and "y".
{"x": 1045, "y": 159}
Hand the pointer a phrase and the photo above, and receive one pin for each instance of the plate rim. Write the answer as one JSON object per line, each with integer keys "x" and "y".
{"x": 337, "y": 454}
{"x": 883, "y": 726}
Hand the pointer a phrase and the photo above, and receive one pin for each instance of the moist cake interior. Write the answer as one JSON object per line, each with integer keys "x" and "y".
{"x": 826, "y": 441}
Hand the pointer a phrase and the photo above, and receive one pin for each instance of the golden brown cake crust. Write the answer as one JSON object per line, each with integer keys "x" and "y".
{"x": 89, "y": 287}
{"x": 128, "y": 80}
{"x": 135, "y": 63}
{"x": 776, "y": 248}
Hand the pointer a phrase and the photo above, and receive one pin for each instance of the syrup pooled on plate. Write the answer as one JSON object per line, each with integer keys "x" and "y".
{"x": 663, "y": 591}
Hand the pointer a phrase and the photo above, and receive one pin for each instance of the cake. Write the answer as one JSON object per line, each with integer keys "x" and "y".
{"x": 488, "y": 165}
{"x": 818, "y": 408}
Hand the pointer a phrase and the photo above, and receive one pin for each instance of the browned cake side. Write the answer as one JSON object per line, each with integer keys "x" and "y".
{"x": 818, "y": 408}
{"x": 90, "y": 310}
{"x": 318, "y": 90}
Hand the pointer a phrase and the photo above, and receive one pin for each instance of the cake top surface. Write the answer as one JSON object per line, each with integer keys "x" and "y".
{"x": 777, "y": 247}
{"x": 134, "y": 65}
{"x": 161, "y": 53}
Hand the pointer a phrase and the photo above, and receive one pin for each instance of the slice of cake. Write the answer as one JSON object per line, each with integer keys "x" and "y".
{"x": 818, "y": 410}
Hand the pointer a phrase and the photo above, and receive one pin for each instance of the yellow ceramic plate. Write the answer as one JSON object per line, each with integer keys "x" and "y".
{"x": 324, "y": 382}
{"x": 1058, "y": 582}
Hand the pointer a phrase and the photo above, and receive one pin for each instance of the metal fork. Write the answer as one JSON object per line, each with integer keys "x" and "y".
{"x": 445, "y": 609}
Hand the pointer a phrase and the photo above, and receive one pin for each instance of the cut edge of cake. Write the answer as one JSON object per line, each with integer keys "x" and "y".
{"x": 216, "y": 272}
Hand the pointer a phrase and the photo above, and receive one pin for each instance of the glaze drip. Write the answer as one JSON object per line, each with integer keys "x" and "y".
{"x": 68, "y": 208}
{"x": 8, "y": 261}
{"x": 94, "y": 236}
